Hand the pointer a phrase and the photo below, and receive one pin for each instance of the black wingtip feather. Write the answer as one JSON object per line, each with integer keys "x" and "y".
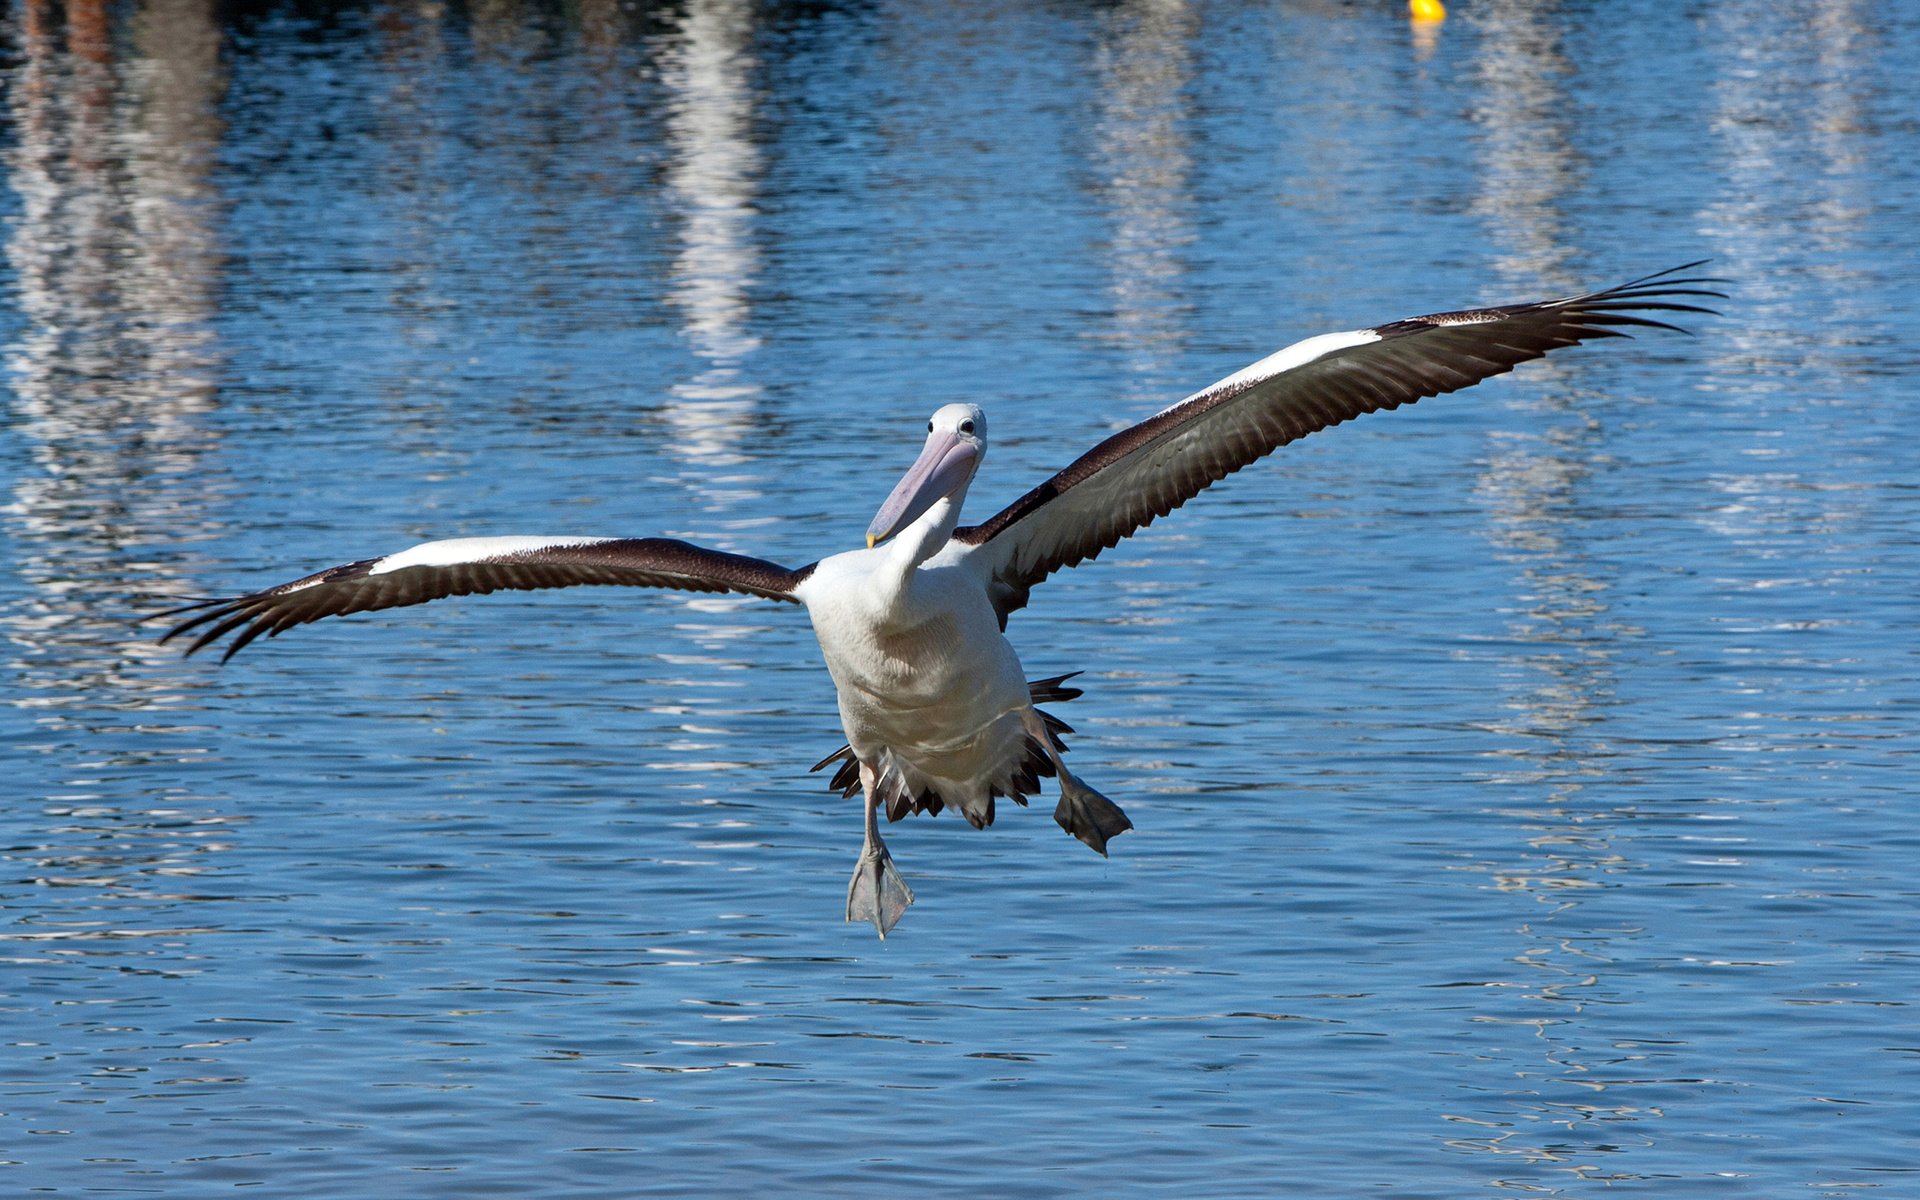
{"x": 233, "y": 621}
{"x": 212, "y": 608}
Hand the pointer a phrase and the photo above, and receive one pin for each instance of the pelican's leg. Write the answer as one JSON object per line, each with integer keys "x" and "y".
{"x": 1082, "y": 812}
{"x": 876, "y": 892}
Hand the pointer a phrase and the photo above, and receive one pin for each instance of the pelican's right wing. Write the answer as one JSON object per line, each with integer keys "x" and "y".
{"x": 466, "y": 566}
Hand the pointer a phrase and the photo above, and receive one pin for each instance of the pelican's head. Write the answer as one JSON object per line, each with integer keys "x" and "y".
{"x": 956, "y": 442}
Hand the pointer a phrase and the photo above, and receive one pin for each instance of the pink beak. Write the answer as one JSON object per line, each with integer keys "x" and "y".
{"x": 945, "y": 464}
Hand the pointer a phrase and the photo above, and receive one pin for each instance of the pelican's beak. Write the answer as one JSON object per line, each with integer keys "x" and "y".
{"x": 944, "y": 465}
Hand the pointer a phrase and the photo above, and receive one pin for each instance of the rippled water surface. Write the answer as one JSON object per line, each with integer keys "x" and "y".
{"x": 1525, "y": 782}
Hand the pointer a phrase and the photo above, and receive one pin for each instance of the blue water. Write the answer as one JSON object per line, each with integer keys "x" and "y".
{"x": 1525, "y": 783}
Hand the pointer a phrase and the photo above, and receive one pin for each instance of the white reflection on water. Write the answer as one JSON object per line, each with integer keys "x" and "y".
{"x": 1791, "y": 130}
{"x": 1536, "y": 485}
{"x": 117, "y": 267}
{"x": 1527, "y": 161}
{"x": 1144, "y": 68}
{"x": 713, "y": 174}
{"x": 1792, "y": 126}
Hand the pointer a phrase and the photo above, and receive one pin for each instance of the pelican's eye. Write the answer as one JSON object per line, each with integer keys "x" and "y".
{"x": 929, "y": 426}
{"x": 966, "y": 427}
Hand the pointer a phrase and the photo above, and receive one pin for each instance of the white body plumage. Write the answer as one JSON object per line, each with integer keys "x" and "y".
{"x": 931, "y": 692}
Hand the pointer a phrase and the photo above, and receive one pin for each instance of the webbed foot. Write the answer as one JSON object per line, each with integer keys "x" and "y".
{"x": 877, "y": 892}
{"x": 1088, "y": 815}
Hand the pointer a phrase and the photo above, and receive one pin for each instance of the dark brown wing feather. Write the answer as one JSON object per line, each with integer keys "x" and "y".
{"x": 361, "y": 587}
{"x": 1149, "y": 470}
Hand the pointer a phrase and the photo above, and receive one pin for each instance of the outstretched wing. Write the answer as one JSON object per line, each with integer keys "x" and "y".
{"x": 1156, "y": 466}
{"x": 465, "y": 566}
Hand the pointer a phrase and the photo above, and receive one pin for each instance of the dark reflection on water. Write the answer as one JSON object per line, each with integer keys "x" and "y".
{"x": 1524, "y": 783}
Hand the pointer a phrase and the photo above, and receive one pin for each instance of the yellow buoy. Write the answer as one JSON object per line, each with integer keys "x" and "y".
{"x": 1427, "y": 10}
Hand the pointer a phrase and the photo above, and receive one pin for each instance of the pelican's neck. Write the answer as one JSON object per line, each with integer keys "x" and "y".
{"x": 912, "y": 546}
{"x": 927, "y": 536}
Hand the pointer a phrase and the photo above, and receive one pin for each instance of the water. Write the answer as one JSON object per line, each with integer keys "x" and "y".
{"x": 1525, "y": 782}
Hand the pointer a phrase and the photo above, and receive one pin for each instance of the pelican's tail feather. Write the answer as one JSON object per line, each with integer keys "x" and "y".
{"x": 1037, "y": 766}
{"x": 1053, "y": 691}
{"x": 846, "y": 780}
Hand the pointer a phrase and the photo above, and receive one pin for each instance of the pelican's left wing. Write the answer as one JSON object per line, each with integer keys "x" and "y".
{"x": 1156, "y": 466}
{"x": 466, "y": 566}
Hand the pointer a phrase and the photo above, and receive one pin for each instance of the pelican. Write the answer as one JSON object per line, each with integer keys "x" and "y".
{"x": 936, "y": 708}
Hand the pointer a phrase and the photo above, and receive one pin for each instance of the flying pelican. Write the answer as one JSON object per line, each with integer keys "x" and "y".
{"x": 936, "y": 708}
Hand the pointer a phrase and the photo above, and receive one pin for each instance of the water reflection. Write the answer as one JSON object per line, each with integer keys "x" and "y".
{"x": 1424, "y": 31}
{"x": 1561, "y": 671}
{"x": 116, "y": 267}
{"x": 116, "y": 263}
{"x": 1144, "y": 68}
{"x": 713, "y": 174}
{"x": 415, "y": 187}
{"x": 1528, "y": 161}
{"x": 1791, "y": 120}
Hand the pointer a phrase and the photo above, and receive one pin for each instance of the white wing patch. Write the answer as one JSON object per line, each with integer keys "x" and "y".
{"x": 1297, "y": 355}
{"x": 454, "y": 552}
